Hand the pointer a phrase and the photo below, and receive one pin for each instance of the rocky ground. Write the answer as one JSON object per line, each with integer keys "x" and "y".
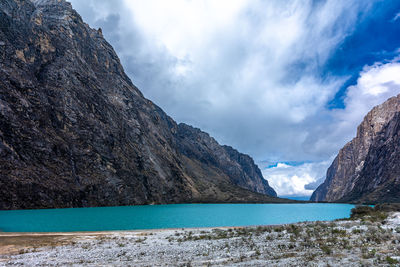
{"x": 373, "y": 241}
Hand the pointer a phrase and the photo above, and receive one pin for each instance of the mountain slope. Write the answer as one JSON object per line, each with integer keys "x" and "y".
{"x": 367, "y": 168}
{"x": 75, "y": 131}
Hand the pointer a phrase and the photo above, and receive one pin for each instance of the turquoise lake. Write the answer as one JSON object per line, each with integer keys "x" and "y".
{"x": 166, "y": 216}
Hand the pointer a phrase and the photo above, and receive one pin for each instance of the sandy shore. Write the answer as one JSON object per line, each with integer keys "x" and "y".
{"x": 346, "y": 243}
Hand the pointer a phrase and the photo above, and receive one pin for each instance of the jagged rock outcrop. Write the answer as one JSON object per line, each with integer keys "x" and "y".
{"x": 75, "y": 131}
{"x": 367, "y": 169}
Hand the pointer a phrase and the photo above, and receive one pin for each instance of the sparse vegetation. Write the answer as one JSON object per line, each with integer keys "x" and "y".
{"x": 368, "y": 213}
{"x": 140, "y": 240}
{"x": 366, "y": 239}
{"x": 390, "y": 260}
{"x": 327, "y": 250}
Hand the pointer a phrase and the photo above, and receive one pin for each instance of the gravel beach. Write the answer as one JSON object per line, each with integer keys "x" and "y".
{"x": 342, "y": 242}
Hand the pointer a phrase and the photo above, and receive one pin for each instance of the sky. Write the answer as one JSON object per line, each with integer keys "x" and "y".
{"x": 286, "y": 82}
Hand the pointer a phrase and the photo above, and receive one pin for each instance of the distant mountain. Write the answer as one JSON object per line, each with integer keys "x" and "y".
{"x": 367, "y": 169}
{"x": 314, "y": 185}
{"x": 296, "y": 197}
{"x": 75, "y": 131}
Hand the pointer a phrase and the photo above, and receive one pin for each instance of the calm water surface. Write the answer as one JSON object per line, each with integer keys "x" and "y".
{"x": 305, "y": 198}
{"x": 166, "y": 216}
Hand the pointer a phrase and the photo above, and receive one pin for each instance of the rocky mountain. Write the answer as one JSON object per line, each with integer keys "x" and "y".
{"x": 367, "y": 169}
{"x": 75, "y": 131}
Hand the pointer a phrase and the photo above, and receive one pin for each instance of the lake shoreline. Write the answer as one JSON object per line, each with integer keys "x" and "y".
{"x": 342, "y": 242}
{"x": 177, "y": 216}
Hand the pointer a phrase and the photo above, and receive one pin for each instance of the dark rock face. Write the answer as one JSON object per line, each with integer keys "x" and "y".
{"x": 240, "y": 168}
{"x": 75, "y": 131}
{"x": 367, "y": 169}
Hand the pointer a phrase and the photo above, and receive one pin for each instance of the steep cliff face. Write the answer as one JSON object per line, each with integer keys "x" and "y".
{"x": 240, "y": 168}
{"x": 75, "y": 131}
{"x": 367, "y": 168}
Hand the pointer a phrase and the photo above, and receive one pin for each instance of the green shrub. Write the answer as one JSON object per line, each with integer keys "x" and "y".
{"x": 327, "y": 250}
{"x": 390, "y": 260}
{"x": 294, "y": 229}
{"x": 368, "y": 254}
{"x": 338, "y": 231}
{"x": 361, "y": 211}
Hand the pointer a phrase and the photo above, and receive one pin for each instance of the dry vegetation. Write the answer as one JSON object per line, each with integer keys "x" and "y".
{"x": 368, "y": 238}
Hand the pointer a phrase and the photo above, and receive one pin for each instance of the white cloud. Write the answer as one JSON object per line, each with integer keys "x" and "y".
{"x": 183, "y": 27}
{"x": 375, "y": 85}
{"x": 379, "y": 79}
{"x": 290, "y": 180}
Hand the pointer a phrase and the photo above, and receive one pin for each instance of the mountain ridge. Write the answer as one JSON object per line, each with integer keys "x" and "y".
{"x": 75, "y": 131}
